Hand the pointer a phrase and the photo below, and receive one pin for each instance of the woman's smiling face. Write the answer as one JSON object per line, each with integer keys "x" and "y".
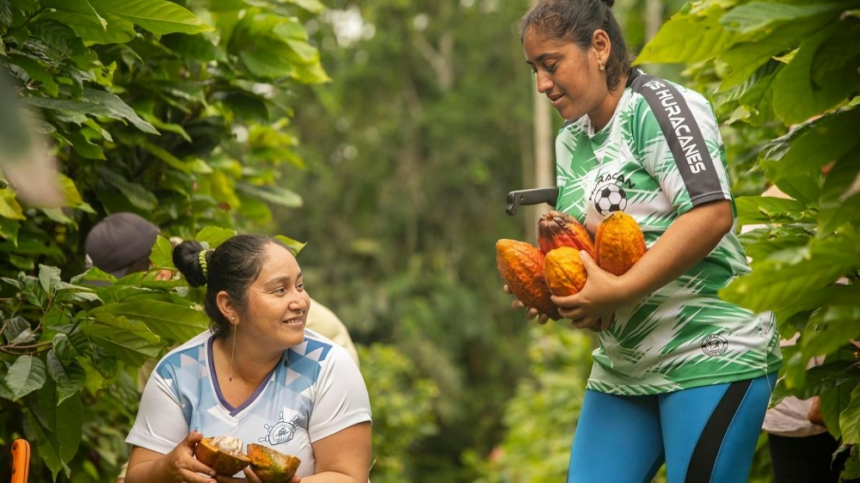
{"x": 567, "y": 74}
{"x": 277, "y": 304}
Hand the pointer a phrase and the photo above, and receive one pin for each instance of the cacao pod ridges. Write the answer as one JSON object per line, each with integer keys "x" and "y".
{"x": 564, "y": 272}
{"x": 557, "y": 229}
{"x": 521, "y": 266}
{"x": 620, "y": 243}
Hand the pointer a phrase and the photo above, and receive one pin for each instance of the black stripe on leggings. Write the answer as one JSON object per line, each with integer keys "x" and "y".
{"x": 708, "y": 447}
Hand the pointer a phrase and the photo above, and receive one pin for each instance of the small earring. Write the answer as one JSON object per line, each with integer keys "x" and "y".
{"x": 233, "y": 350}
{"x": 601, "y": 67}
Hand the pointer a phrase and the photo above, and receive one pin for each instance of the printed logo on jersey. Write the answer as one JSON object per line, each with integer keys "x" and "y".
{"x": 281, "y": 432}
{"x": 715, "y": 345}
{"x": 609, "y": 195}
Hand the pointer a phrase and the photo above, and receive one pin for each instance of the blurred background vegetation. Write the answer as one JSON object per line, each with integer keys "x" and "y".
{"x": 383, "y": 133}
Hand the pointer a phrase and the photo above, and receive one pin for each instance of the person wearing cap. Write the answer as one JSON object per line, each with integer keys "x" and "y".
{"x": 120, "y": 244}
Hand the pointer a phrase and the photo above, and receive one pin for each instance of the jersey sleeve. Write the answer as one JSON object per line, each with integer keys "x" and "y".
{"x": 160, "y": 424}
{"x": 341, "y": 398}
{"x": 678, "y": 140}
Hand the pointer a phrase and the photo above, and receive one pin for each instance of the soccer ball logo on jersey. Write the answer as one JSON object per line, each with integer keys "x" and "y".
{"x": 609, "y": 198}
{"x": 281, "y": 432}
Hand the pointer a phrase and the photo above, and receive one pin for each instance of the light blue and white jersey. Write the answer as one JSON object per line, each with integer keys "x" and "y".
{"x": 315, "y": 391}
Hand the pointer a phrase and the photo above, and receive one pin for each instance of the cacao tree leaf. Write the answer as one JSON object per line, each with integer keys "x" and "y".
{"x": 158, "y": 16}
{"x": 819, "y": 379}
{"x": 136, "y": 194}
{"x": 82, "y": 145}
{"x": 59, "y": 422}
{"x": 744, "y": 58}
{"x": 797, "y": 96}
{"x": 77, "y": 296}
{"x": 49, "y": 278}
{"x": 96, "y": 103}
{"x": 48, "y": 450}
{"x": 37, "y": 72}
{"x": 754, "y": 16}
{"x": 165, "y": 156}
{"x": 768, "y": 209}
{"x": 835, "y": 210}
{"x": 127, "y": 340}
{"x": 290, "y": 29}
{"x": 312, "y": 6}
{"x": 194, "y": 47}
{"x": 688, "y": 37}
{"x": 267, "y": 63}
{"x": 63, "y": 348}
{"x": 57, "y": 215}
{"x": 169, "y": 320}
{"x": 272, "y": 194}
{"x": 26, "y": 375}
{"x": 829, "y": 328}
{"x": 849, "y": 418}
{"x": 95, "y": 275}
{"x": 106, "y": 365}
{"x": 74, "y": 13}
{"x": 763, "y": 242}
{"x": 9, "y": 229}
{"x": 833, "y": 402}
{"x": 9, "y": 207}
{"x": 295, "y": 245}
{"x": 15, "y": 327}
{"x": 311, "y": 74}
{"x": 70, "y": 377}
{"x": 776, "y": 281}
{"x": 214, "y": 236}
{"x": 162, "y": 253}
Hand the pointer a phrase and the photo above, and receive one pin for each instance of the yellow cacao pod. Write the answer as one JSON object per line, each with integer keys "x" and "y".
{"x": 521, "y": 266}
{"x": 557, "y": 229}
{"x": 619, "y": 242}
{"x": 563, "y": 271}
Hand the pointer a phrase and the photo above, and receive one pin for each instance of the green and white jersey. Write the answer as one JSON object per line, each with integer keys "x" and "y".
{"x": 682, "y": 335}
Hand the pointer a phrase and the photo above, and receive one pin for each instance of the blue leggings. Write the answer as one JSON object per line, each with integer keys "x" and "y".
{"x": 705, "y": 434}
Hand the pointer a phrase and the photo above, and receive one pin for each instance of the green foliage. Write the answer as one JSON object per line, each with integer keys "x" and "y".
{"x": 411, "y": 151}
{"x": 789, "y": 65}
{"x": 175, "y": 110}
{"x": 402, "y": 403}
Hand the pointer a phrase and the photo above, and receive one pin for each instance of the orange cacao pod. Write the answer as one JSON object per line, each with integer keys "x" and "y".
{"x": 521, "y": 266}
{"x": 619, "y": 242}
{"x": 557, "y": 229}
{"x": 564, "y": 272}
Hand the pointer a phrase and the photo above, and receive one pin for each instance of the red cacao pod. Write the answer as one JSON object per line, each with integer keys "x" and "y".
{"x": 557, "y": 229}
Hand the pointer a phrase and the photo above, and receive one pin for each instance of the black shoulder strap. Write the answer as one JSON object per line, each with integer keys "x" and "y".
{"x": 682, "y": 134}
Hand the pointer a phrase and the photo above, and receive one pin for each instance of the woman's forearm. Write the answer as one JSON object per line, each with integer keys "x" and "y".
{"x": 688, "y": 240}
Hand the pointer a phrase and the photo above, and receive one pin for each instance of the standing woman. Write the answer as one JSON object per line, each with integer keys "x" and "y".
{"x": 680, "y": 376}
{"x": 258, "y": 375}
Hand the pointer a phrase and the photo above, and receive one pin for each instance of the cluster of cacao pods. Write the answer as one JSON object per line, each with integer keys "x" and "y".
{"x": 534, "y": 274}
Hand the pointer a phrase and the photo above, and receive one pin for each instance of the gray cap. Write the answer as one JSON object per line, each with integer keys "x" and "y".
{"x": 119, "y": 242}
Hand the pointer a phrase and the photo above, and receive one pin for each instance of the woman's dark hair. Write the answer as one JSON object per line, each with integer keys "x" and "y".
{"x": 231, "y": 267}
{"x": 575, "y": 21}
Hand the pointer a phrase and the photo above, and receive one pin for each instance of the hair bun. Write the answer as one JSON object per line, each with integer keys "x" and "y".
{"x": 609, "y": 3}
{"x": 186, "y": 258}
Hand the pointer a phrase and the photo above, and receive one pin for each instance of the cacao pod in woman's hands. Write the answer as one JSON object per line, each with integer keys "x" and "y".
{"x": 564, "y": 272}
{"x": 521, "y": 266}
{"x": 557, "y": 229}
{"x": 619, "y": 243}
